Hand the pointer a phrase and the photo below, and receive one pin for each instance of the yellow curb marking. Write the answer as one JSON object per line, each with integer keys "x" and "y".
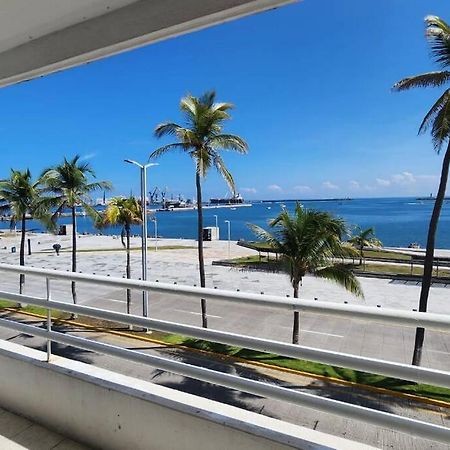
{"x": 380, "y": 390}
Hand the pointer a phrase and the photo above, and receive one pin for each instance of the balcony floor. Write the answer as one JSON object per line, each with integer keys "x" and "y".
{"x": 16, "y": 432}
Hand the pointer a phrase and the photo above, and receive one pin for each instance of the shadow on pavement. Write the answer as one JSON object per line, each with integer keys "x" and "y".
{"x": 215, "y": 392}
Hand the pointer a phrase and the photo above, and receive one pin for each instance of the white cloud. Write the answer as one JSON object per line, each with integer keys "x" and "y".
{"x": 330, "y": 185}
{"x": 274, "y": 188}
{"x": 407, "y": 182}
{"x": 383, "y": 182}
{"x": 302, "y": 188}
{"x": 88, "y": 156}
{"x": 354, "y": 184}
{"x": 403, "y": 178}
{"x": 251, "y": 190}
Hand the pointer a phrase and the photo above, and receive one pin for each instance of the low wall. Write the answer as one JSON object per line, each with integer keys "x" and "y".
{"x": 107, "y": 410}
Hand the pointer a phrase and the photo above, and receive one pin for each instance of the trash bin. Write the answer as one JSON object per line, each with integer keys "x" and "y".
{"x": 207, "y": 234}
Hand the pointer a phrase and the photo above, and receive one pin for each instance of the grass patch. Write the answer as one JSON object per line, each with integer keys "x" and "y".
{"x": 33, "y": 309}
{"x": 368, "y": 379}
{"x": 384, "y": 254}
{"x": 271, "y": 263}
{"x": 398, "y": 269}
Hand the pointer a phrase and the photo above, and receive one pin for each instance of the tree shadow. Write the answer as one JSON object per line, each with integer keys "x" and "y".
{"x": 362, "y": 397}
{"x": 233, "y": 397}
{"x": 66, "y": 351}
{"x": 348, "y": 394}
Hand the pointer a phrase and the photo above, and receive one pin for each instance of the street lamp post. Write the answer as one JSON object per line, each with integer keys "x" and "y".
{"x": 143, "y": 170}
{"x": 155, "y": 221}
{"x": 229, "y": 236}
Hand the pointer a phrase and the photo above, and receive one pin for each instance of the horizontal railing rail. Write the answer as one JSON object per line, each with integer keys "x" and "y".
{"x": 363, "y": 364}
{"x": 432, "y": 321}
{"x": 356, "y": 412}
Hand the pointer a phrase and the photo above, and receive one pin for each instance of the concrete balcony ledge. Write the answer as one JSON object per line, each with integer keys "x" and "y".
{"x": 107, "y": 410}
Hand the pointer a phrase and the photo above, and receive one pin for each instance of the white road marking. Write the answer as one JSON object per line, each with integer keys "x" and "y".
{"x": 196, "y": 313}
{"x": 438, "y": 351}
{"x": 315, "y": 332}
{"x": 113, "y": 300}
{"x": 325, "y": 334}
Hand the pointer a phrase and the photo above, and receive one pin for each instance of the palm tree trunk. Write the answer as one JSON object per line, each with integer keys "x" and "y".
{"x": 22, "y": 254}
{"x": 127, "y": 229}
{"x": 74, "y": 254}
{"x": 296, "y": 327}
{"x": 201, "y": 262}
{"x": 360, "y": 255}
{"x": 429, "y": 256}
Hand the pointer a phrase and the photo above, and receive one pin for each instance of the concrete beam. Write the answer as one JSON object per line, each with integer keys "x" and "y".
{"x": 131, "y": 26}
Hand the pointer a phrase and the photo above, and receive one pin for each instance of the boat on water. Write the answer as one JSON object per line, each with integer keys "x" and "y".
{"x": 235, "y": 199}
{"x": 170, "y": 205}
{"x": 431, "y": 197}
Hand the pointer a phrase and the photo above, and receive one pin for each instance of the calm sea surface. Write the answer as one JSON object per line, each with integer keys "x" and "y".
{"x": 397, "y": 221}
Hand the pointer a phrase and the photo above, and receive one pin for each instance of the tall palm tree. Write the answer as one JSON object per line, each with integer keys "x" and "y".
{"x": 124, "y": 212}
{"x": 364, "y": 238}
{"x": 308, "y": 242}
{"x": 202, "y": 138}
{"x": 20, "y": 195}
{"x": 438, "y": 121}
{"x": 71, "y": 185}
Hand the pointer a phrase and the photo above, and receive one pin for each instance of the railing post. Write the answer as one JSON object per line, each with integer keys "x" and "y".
{"x": 49, "y": 319}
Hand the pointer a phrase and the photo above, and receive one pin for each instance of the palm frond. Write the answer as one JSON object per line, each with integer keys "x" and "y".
{"x": 203, "y": 161}
{"x": 98, "y": 186}
{"x": 439, "y": 119}
{"x": 167, "y": 129}
{"x": 434, "y": 110}
{"x": 228, "y": 142}
{"x": 438, "y": 35}
{"x": 265, "y": 236}
{"x": 430, "y": 79}
{"x": 167, "y": 148}
{"x": 224, "y": 172}
{"x": 343, "y": 276}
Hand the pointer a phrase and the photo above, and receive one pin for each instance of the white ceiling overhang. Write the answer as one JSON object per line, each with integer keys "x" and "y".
{"x": 38, "y": 37}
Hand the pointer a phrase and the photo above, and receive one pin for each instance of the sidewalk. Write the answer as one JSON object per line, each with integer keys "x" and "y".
{"x": 19, "y": 433}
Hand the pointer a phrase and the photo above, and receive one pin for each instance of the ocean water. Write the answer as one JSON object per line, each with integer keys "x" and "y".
{"x": 397, "y": 221}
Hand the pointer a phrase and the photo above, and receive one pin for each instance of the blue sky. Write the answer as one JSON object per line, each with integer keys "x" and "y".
{"x": 311, "y": 84}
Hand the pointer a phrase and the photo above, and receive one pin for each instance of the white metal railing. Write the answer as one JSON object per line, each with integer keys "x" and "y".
{"x": 402, "y": 371}
{"x": 438, "y": 322}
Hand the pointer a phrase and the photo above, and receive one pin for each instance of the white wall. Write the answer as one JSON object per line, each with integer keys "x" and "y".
{"x": 112, "y": 411}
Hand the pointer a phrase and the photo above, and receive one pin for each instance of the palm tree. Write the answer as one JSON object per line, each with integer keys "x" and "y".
{"x": 364, "y": 238}
{"x": 20, "y": 195}
{"x": 202, "y": 139}
{"x": 438, "y": 121}
{"x": 308, "y": 242}
{"x": 124, "y": 212}
{"x": 71, "y": 186}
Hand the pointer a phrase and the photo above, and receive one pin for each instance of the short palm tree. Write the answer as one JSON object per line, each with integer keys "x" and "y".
{"x": 70, "y": 185}
{"x": 20, "y": 195}
{"x": 438, "y": 121}
{"x": 364, "y": 238}
{"x": 202, "y": 139}
{"x": 308, "y": 242}
{"x": 124, "y": 212}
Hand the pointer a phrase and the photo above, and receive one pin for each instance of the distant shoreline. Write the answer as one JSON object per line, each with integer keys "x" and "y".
{"x": 347, "y": 199}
